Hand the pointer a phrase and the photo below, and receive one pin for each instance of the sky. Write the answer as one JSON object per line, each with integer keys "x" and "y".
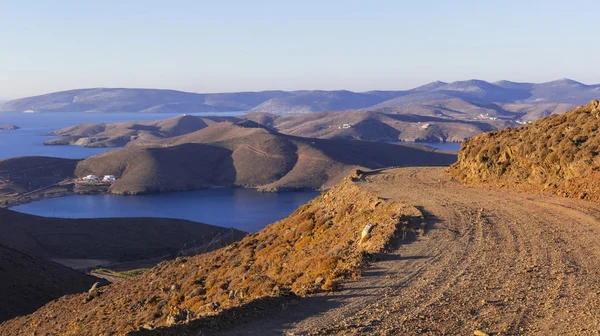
{"x": 227, "y": 45}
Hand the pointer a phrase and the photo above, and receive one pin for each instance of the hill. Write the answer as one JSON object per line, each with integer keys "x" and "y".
{"x": 30, "y": 282}
{"x": 376, "y": 126}
{"x": 246, "y": 154}
{"x": 310, "y": 251}
{"x": 110, "y": 240}
{"x": 120, "y": 134}
{"x": 139, "y": 100}
{"x": 557, "y": 153}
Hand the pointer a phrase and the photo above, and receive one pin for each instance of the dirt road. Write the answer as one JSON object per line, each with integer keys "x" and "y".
{"x": 495, "y": 261}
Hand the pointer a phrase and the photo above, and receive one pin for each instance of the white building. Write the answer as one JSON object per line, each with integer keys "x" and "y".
{"x": 108, "y": 178}
{"x": 91, "y": 178}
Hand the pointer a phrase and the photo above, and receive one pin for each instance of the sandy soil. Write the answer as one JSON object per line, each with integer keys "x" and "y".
{"x": 493, "y": 261}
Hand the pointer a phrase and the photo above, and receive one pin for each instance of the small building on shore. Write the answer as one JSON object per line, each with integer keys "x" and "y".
{"x": 109, "y": 178}
{"x": 90, "y": 178}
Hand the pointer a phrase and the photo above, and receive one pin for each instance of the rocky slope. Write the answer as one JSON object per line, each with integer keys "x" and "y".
{"x": 246, "y": 154}
{"x": 30, "y": 282}
{"x": 558, "y": 154}
{"x": 312, "y": 250}
{"x": 108, "y": 239}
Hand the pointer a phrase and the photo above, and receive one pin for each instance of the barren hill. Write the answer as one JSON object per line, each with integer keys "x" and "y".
{"x": 120, "y": 134}
{"x": 108, "y": 239}
{"x": 558, "y": 154}
{"x": 376, "y": 126}
{"x": 30, "y": 282}
{"x": 246, "y": 154}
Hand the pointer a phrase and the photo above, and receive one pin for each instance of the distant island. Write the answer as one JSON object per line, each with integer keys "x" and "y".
{"x": 457, "y": 100}
{"x": 9, "y": 127}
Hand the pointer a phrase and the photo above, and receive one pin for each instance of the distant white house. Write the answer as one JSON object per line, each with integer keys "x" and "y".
{"x": 426, "y": 126}
{"x": 91, "y": 178}
{"x": 345, "y": 126}
{"x": 108, "y": 178}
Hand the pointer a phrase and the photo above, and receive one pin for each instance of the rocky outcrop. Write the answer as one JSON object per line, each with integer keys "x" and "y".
{"x": 559, "y": 154}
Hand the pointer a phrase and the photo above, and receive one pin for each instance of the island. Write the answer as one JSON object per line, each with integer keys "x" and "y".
{"x": 9, "y": 127}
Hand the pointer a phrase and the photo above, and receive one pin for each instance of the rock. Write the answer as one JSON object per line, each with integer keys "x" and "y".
{"x": 479, "y": 333}
{"x": 319, "y": 280}
{"x": 366, "y": 232}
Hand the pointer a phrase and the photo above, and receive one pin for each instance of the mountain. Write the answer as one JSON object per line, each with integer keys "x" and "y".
{"x": 476, "y": 92}
{"x": 376, "y": 126}
{"x": 30, "y": 282}
{"x": 245, "y": 154}
{"x": 139, "y": 100}
{"x": 313, "y": 101}
{"x": 557, "y": 154}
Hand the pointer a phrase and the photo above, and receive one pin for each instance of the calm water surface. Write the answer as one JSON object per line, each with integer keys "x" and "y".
{"x": 244, "y": 209}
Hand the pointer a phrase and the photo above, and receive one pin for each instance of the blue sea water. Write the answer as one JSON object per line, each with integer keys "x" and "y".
{"x": 244, "y": 209}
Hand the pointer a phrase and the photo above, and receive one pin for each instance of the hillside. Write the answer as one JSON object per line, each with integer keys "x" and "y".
{"x": 297, "y": 255}
{"x": 103, "y": 239}
{"x": 557, "y": 154}
{"x": 120, "y": 134}
{"x": 469, "y": 261}
{"x": 30, "y": 282}
{"x": 248, "y": 155}
{"x": 139, "y": 100}
{"x": 374, "y": 126}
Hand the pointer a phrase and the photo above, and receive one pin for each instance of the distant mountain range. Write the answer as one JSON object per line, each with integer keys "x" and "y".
{"x": 504, "y": 97}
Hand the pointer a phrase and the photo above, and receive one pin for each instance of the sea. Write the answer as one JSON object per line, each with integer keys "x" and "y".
{"x": 244, "y": 209}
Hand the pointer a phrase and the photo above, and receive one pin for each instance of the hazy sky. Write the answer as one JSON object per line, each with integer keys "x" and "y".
{"x": 210, "y": 46}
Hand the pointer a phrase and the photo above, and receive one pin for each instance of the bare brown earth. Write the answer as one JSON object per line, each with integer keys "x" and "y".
{"x": 312, "y": 250}
{"x": 497, "y": 261}
{"x": 28, "y": 282}
{"x": 247, "y": 155}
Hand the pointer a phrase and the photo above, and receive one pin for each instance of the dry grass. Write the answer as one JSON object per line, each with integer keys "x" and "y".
{"x": 558, "y": 154}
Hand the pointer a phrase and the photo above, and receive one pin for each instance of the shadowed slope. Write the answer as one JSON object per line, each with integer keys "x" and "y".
{"x": 112, "y": 239}
{"x": 29, "y": 282}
